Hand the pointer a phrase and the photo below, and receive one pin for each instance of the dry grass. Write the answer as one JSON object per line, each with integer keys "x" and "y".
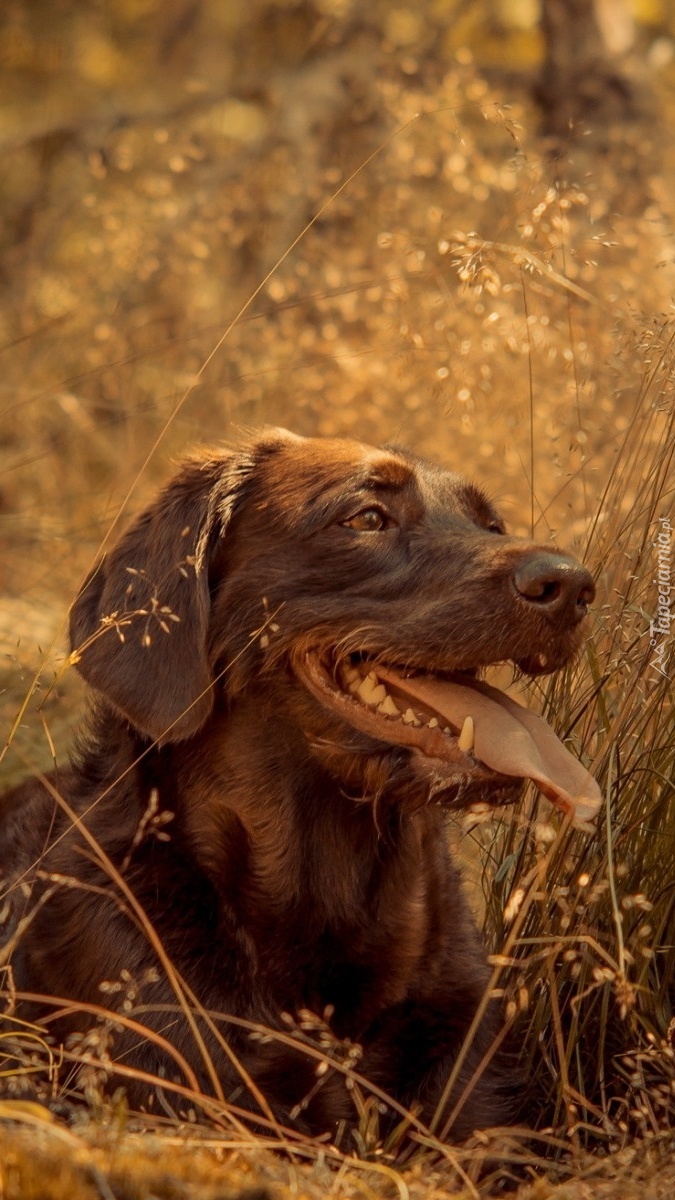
{"x": 461, "y": 293}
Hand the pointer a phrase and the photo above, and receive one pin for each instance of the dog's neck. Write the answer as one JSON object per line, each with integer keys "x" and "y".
{"x": 271, "y": 824}
{"x": 277, "y": 803}
{"x": 310, "y": 874}
{"x": 304, "y": 871}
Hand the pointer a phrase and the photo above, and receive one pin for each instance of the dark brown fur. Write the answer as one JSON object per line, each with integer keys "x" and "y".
{"x": 306, "y": 865}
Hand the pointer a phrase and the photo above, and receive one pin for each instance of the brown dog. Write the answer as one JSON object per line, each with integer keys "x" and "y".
{"x": 284, "y": 651}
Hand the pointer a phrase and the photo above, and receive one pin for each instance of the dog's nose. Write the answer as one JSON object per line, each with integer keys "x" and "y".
{"x": 555, "y": 583}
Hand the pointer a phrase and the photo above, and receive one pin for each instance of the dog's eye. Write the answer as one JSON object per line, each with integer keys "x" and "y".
{"x": 371, "y": 520}
{"x": 496, "y": 527}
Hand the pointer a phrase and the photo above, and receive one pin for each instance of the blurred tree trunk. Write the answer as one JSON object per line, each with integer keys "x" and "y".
{"x": 585, "y": 83}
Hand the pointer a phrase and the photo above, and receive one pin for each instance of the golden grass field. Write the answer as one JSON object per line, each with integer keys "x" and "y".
{"x": 296, "y": 216}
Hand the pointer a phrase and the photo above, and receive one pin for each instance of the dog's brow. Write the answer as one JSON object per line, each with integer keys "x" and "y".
{"x": 325, "y": 501}
{"x": 389, "y": 474}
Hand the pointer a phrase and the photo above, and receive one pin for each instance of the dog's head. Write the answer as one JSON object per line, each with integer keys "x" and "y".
{"x": 374, "y": 584}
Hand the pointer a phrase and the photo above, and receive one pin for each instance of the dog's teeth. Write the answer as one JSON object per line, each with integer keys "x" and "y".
{"x": 466, "y": 738}
{"x": 370, "y": 691}
{"x": 388, "y": 708}
{"x": 410, "y": 718}
{"x": 433, "y": 723}
{"x": 351, "y": 675}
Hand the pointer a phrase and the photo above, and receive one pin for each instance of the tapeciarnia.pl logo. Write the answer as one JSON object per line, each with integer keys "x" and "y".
{"x": 659, "y": 626}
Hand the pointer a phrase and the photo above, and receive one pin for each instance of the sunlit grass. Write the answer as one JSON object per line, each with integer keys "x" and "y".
{"x": 591, "y": 965}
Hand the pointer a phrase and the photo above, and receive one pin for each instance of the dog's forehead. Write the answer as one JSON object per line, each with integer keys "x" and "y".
{"x": 339, "y": 461}
{"x": 442, "y": 491}
{"x": 305, "y": 472}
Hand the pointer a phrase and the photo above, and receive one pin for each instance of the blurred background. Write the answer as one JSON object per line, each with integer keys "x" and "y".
{"x": 443, "y": 223}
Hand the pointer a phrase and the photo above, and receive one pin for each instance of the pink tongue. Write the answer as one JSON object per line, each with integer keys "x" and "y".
{"x": 508, "y": 738}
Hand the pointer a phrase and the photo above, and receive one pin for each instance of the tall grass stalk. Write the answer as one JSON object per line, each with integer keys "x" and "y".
{"x": 591, "y": 969}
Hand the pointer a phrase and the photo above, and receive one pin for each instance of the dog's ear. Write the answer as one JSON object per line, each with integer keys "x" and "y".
{"x": 139, "y": 624}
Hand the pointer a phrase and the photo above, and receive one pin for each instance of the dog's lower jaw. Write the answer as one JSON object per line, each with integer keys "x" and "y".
{"x": 385, "y": 775}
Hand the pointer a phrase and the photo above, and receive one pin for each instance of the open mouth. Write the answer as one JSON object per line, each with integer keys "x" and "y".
{"x": 466, "y": 726}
